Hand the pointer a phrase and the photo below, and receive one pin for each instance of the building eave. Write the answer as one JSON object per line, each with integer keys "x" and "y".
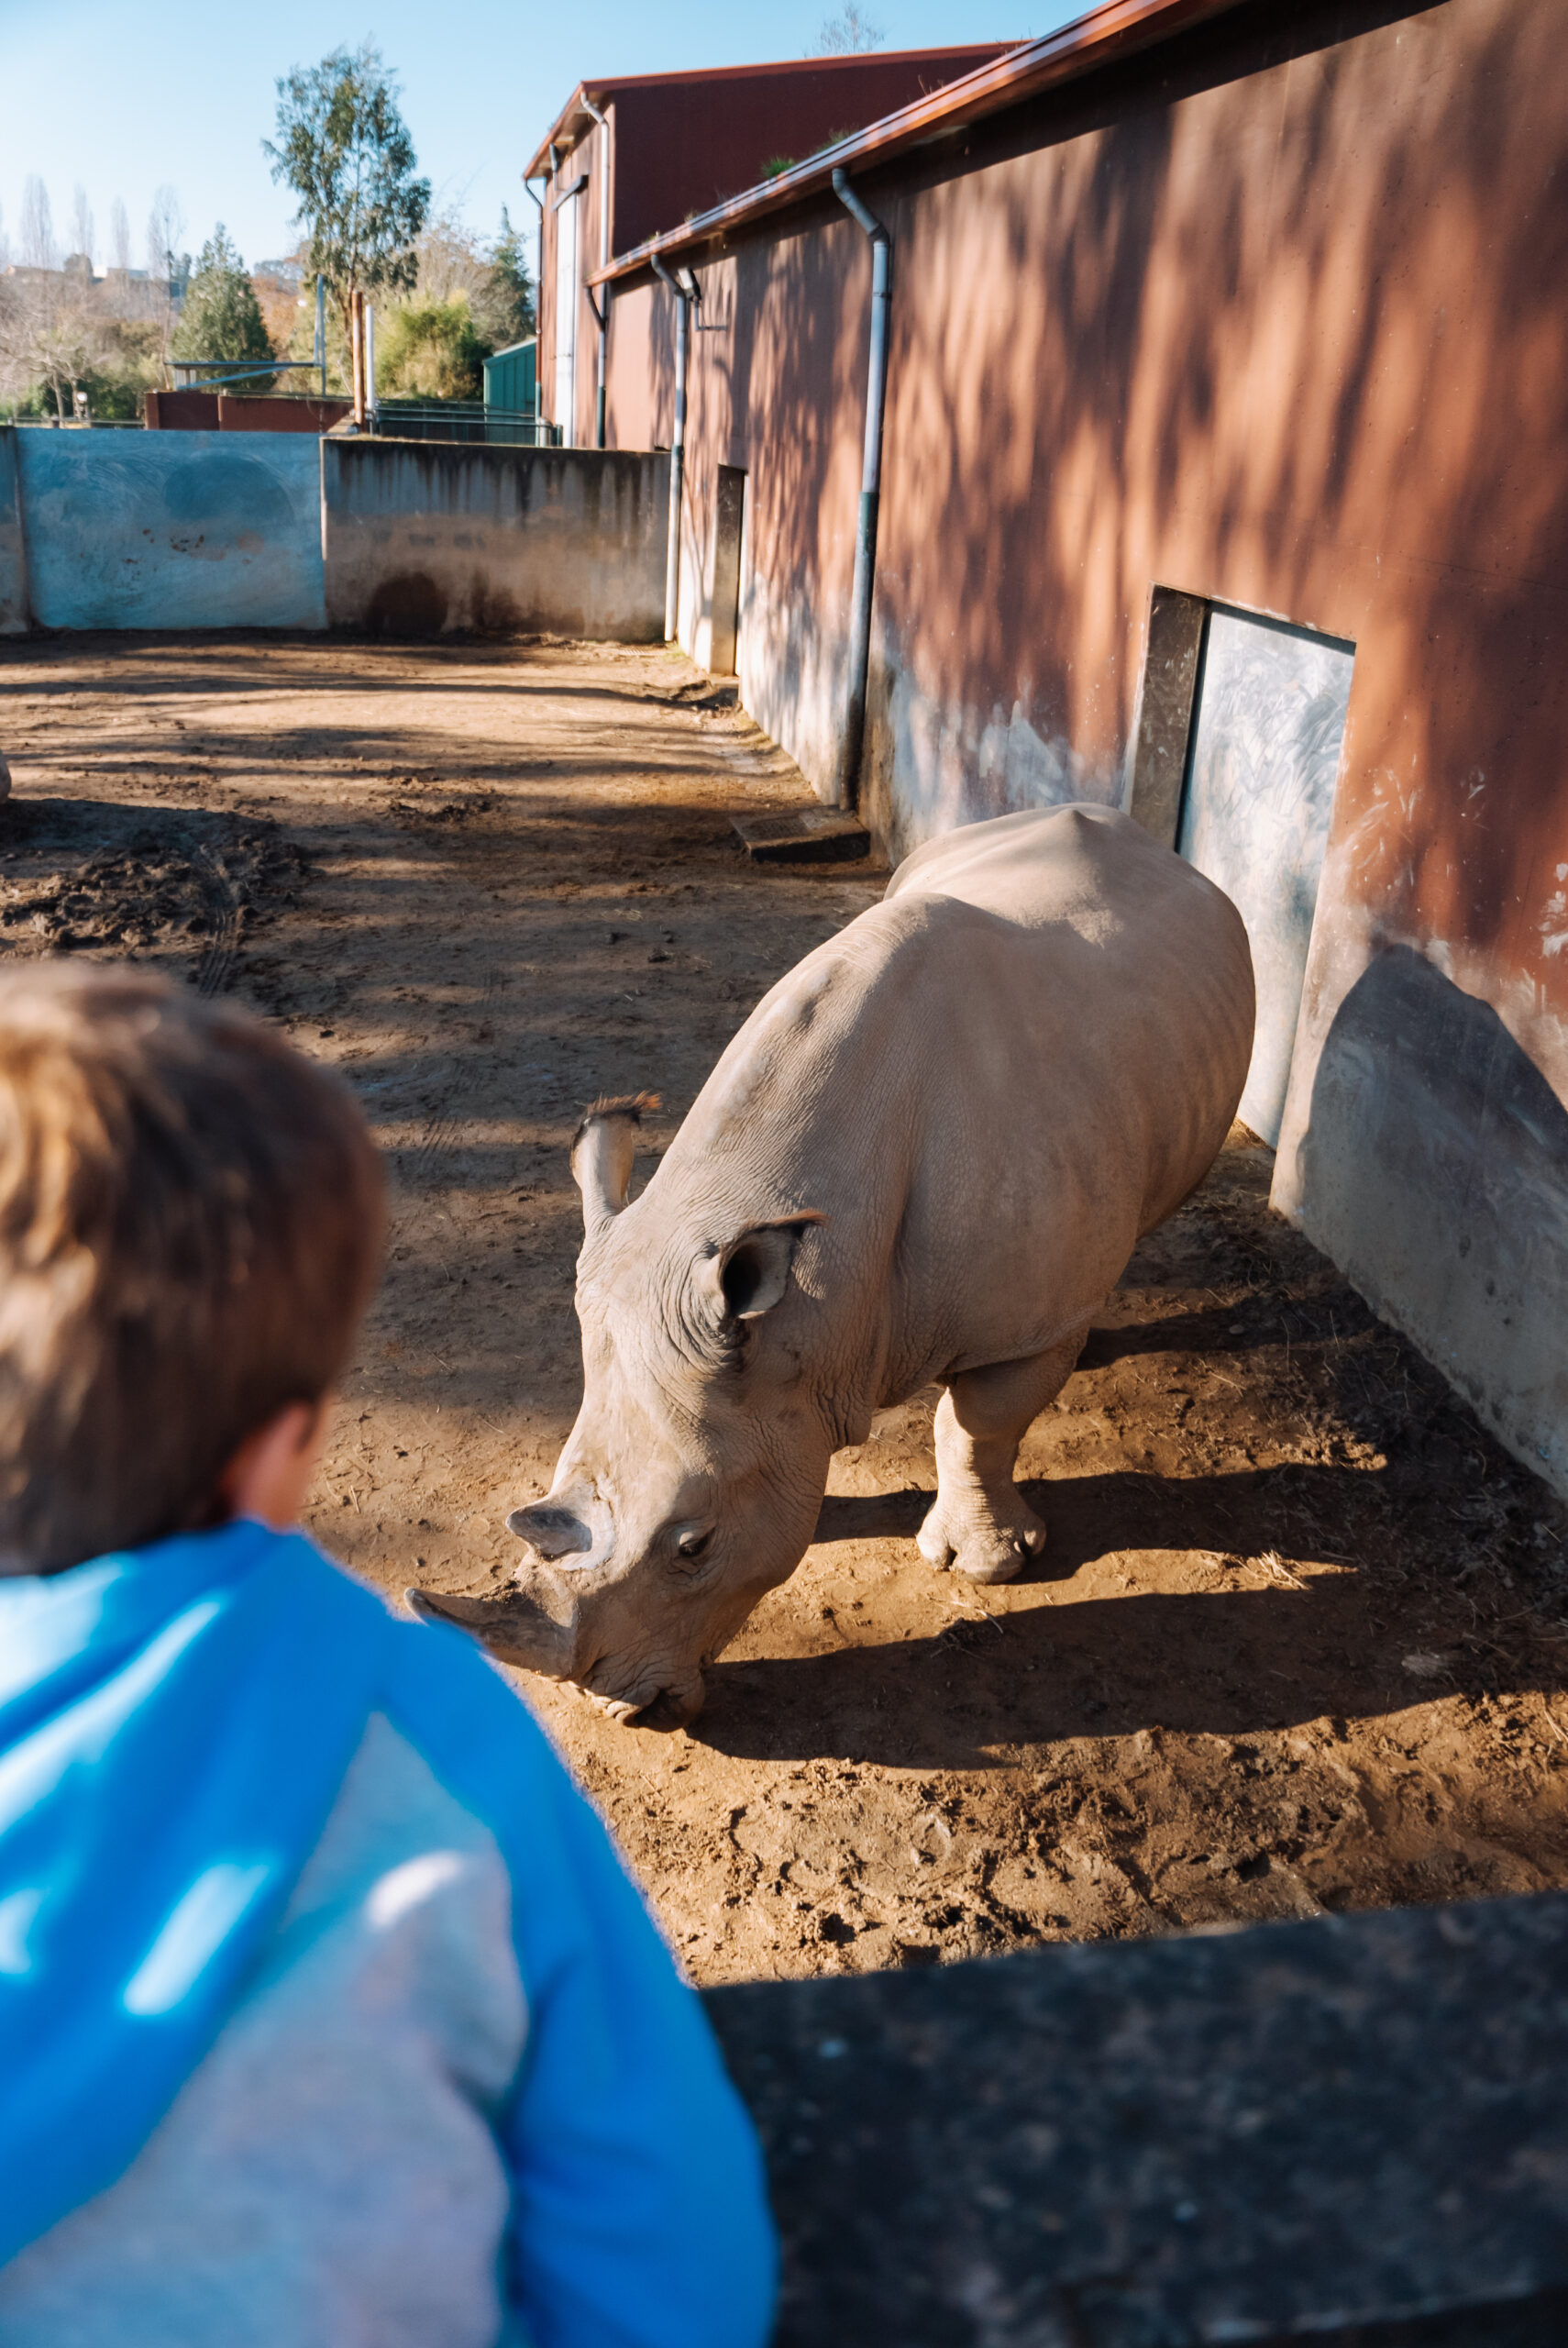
{"x": 1116, "y": 29}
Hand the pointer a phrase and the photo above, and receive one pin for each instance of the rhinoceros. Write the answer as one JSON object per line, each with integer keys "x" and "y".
{"x": 926, "y": 1157}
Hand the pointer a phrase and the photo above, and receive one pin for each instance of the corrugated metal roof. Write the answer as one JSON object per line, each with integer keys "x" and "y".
{"x": 1119, "y": 29}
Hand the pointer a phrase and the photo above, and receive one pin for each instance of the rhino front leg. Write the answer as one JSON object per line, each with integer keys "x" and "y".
{"x": 980, "y": 1523}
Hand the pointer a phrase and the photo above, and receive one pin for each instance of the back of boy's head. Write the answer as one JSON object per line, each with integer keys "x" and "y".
{"x": 190, "y": 1231}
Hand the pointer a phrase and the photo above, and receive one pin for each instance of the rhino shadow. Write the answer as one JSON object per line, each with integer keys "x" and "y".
{"x": 1223, "y": 1661}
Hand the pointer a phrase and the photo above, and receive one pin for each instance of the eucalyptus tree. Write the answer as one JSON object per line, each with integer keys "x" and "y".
{"x": 344, "y": 148}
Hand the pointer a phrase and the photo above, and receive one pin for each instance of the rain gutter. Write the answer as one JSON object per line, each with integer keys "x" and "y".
{"x": 677, "y": 453}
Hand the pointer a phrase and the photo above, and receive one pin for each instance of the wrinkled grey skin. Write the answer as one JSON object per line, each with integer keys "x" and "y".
{"x": 927, "y": 1155}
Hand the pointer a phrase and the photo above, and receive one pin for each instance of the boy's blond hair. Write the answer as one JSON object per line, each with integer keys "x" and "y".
{"x": 190, "y": 1230}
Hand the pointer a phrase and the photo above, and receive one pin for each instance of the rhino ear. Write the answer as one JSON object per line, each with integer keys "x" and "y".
{"x": 602, "y": 1149}
{"x": 749, "y": 1276}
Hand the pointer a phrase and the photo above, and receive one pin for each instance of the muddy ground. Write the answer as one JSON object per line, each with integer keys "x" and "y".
{"x": 1301, "y": 1628}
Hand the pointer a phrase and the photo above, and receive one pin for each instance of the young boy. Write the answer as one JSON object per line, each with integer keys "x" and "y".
{"x": 328, "y": 2018}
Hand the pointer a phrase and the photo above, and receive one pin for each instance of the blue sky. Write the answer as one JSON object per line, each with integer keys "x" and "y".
{"x": 122, "y": 98}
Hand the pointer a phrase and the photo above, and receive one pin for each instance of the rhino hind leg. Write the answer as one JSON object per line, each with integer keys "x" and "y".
{"x": 981, "y": 1523}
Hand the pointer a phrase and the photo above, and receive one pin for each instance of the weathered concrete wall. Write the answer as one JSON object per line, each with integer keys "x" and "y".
{"x": 1270, "y": 315}
{"x": 171, "y": 530}
{"x": 13, "y": 554}
{"x": 424, "y": 537}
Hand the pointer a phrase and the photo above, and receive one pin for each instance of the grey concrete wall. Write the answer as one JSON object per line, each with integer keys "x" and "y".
{"x": 171, "y": 529}
{"x": 13, "y": 558}
{"x": 1348, "y": 2132}
{"x": 422, "y": 537}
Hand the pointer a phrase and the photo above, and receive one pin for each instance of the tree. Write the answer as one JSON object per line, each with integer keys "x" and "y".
{"x": 448, "y": 260}
{"x": 344, "y": 148}
{"x": 221, "y": 317}
{"x": 430, "y": 350}
{"x": 83, "y": 235}
{"x": 38, "y": 226}
{"x": 50, "y": 339}
{"x": 849, "y": 33}
{"x": 502, "y": 305}
{"x": 165, "y": 227}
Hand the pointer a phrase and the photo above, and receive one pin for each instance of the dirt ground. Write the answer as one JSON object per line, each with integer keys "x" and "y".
{"x": 1301, "y": 1627}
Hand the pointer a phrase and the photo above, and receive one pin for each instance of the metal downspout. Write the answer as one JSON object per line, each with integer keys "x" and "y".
{"x": 846, "y": 781}
{"x": 677, "y": 454}
{"x": 538, "y": 274}
{"x": 602, "y": 313}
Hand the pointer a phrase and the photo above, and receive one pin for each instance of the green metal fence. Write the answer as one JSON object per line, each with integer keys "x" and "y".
{"x": 461, "y": 420}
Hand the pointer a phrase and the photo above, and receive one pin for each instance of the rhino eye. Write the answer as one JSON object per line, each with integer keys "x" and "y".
{"x": 692, "y": 1544}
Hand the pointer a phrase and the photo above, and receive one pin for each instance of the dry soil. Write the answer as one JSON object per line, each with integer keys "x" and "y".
{"x": 1299, "y": 1639}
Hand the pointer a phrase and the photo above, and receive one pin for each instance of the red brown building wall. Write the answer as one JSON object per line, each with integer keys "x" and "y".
{"x": 1273, "y": 316}
{"x": 681, "y": 143}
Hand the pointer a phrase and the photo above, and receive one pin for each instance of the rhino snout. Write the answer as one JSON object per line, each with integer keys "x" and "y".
{"x": 553, "y": 1532}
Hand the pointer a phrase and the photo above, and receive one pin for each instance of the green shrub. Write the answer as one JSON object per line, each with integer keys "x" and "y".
{"x": 429, "y": 350}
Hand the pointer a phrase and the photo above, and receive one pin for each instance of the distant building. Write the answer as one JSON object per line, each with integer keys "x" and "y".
{"x": 673, "y": 144}
{"x": 122, "y": 293}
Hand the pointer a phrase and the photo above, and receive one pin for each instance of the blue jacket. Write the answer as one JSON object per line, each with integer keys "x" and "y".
{"x": 326, "y": 2012}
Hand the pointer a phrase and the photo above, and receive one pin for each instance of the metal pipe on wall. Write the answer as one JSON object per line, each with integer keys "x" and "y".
{"x": 538, "y": 283}
{"x": 601, "y": 313}
{"x": 676, "y": 454}
{"x": 847, "y": 777}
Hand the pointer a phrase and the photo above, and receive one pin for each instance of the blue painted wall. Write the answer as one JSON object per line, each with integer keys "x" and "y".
{"x": 172, "y": 529}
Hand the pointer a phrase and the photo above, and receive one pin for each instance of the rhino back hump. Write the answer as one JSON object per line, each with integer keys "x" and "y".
{"x": 989, "y": 1083}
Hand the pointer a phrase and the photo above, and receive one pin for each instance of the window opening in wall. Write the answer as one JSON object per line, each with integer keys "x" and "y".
{"x": 728, "y": 527}
{"x": 1240, "y": 724}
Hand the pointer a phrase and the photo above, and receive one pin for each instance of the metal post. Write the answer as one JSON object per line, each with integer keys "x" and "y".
{"x": 677, "y": 456}
{"x": 371, "y": 362}
{"x": 847, "y": 780}
{"x": 357, "y": 353}
{"x": 603, "y": 315}
{"x": 319, "y": 356}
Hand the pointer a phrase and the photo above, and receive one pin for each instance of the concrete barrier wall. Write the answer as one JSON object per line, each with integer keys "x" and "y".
{"x": 171, "y": 530}
{"x": 13, "y": 563}
{"x": 1351, "y": 2131}
{"x": 422, "y": 537}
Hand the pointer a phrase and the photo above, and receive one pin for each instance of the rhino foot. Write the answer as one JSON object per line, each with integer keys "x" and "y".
{"x": 986, "y": 1544}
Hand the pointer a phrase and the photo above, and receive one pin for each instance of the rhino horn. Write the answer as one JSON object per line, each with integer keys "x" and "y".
{"x": 513, "y": 1626}
{"x": 602, "y": 1149}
